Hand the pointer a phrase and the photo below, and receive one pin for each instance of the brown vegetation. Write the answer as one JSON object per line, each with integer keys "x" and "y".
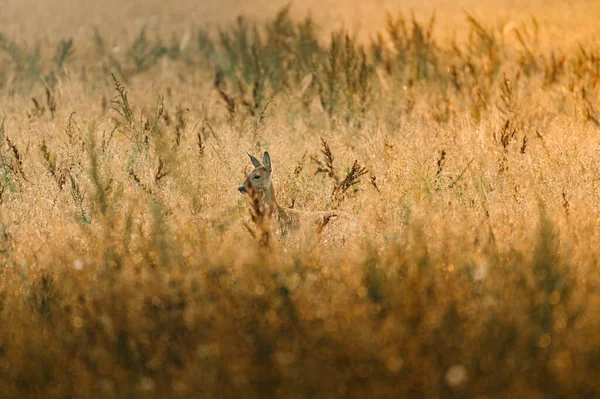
{"x": 471, "y": 161}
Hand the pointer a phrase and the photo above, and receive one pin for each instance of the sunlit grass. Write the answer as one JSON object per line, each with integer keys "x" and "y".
{"x": 469, "y": 171}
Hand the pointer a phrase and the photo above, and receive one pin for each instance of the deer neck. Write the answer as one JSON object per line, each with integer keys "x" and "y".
{"x": 270, "y": 200}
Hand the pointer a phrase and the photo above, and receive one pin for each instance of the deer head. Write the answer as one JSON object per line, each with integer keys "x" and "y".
{"x": 259, "y": 179}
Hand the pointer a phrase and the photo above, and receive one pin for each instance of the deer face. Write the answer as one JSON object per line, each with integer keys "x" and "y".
{"x": 260, "y": 178}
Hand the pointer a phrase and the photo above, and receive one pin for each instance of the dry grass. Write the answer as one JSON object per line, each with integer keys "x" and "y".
{"x": 472, "y": 165}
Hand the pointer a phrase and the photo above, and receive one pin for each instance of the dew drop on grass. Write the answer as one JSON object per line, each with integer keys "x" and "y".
{"x": 456, "y": 375}
{"x": 78, "y": 264}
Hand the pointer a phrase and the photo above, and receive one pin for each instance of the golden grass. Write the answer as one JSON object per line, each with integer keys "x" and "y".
{"x": 125, "y": 267}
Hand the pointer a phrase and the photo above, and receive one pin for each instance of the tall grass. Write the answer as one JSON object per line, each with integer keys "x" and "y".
{"x": 130, "y": 265}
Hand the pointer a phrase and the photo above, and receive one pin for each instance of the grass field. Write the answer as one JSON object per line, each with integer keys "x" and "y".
{"x": 461, "y": 139}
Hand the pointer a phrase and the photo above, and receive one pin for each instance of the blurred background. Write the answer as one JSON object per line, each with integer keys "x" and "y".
{"x": 75, "y": 18}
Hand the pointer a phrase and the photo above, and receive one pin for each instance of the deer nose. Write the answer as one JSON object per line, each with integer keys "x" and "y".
{"x": 242, "y": 189}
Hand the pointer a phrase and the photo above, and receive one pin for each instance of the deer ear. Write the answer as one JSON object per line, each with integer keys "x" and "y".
{"x": 267, "y": 161}
{"x": 254, "y": 161}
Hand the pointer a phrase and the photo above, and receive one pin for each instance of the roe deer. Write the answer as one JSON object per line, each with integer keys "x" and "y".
{"x": 259, "y": 183}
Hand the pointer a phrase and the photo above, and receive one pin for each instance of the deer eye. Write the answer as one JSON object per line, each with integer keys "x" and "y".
{"x": 256, "y": 177}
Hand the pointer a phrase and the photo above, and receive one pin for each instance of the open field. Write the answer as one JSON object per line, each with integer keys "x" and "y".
{"x": 462, "y": 146}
